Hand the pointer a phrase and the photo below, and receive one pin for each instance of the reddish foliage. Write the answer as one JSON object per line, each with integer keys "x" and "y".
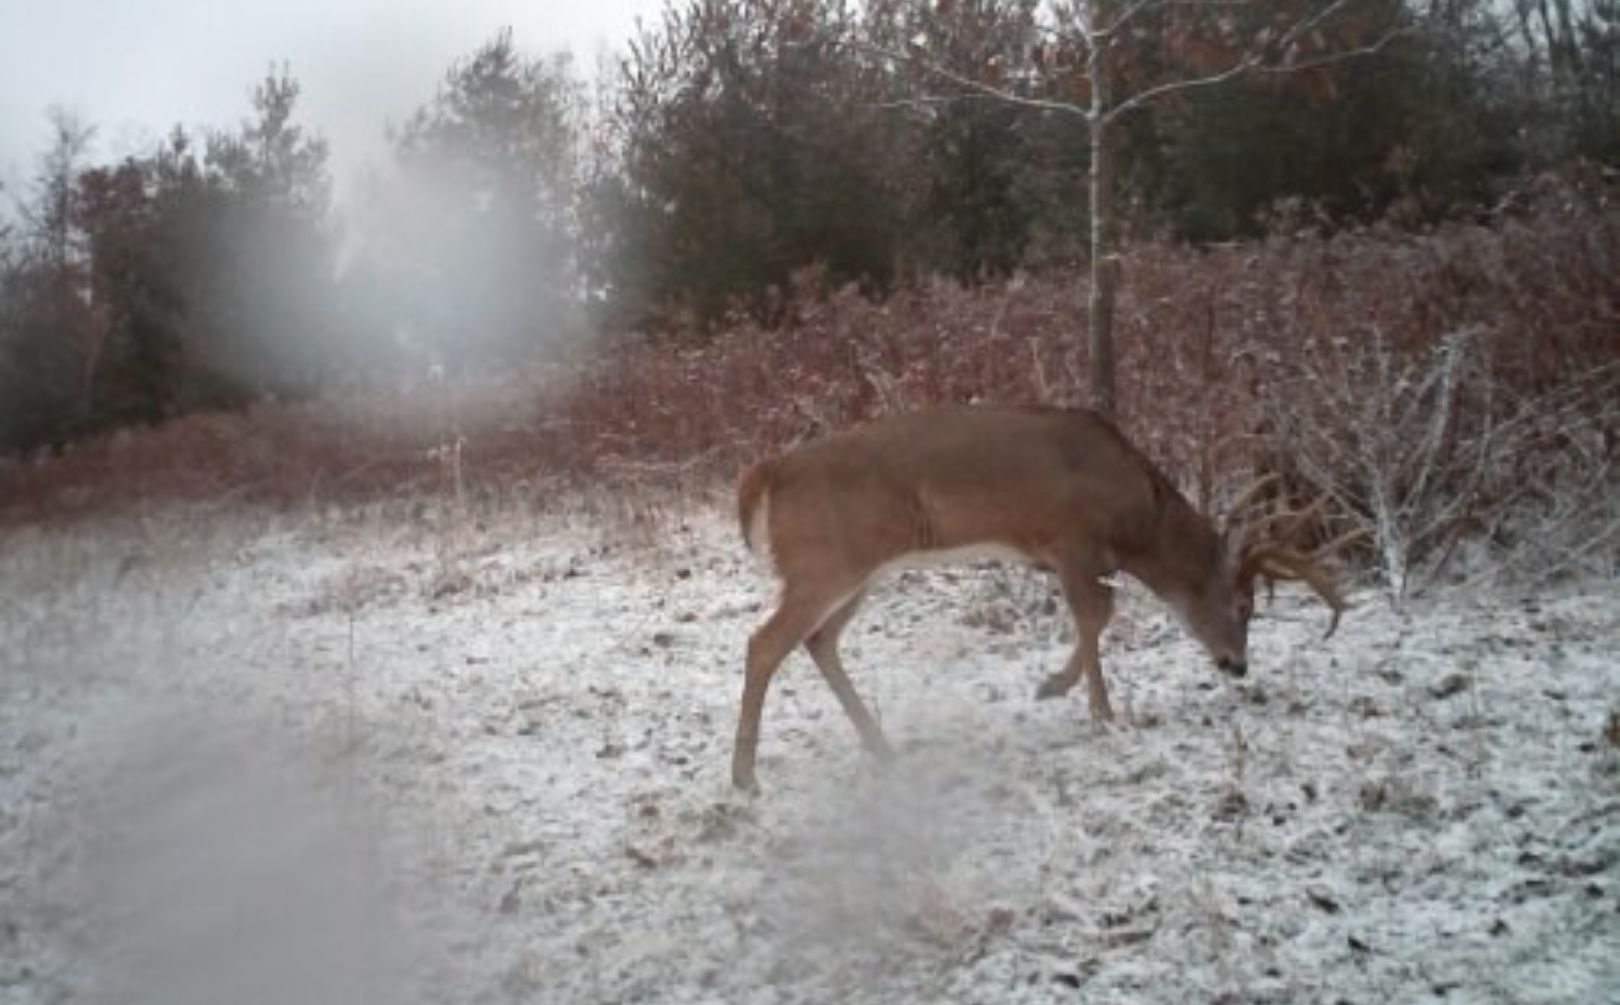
{"x": 344, "y": 449}
{"x": 1200, "y": 335}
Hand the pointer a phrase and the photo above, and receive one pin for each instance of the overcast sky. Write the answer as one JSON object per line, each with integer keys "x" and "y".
{"x": 133, "y": 68}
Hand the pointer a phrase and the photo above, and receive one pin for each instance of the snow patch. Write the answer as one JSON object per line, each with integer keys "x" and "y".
{"x": 397, "y": 761}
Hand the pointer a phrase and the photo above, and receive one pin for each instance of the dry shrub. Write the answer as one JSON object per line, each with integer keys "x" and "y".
{"x": 1425, "y": 450}
{"x": 843, "y": 358}
{"x": 1453, "y": 386}
{"x": 1455, "y": 389}
{"x": 1441, "y": 386}
{"x": 435, "y": 438}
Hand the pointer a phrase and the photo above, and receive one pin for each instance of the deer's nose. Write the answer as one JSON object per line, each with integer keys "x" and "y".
{"x": 1231, "y": 667}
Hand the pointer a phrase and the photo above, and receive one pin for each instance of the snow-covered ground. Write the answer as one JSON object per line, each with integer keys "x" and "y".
{"x": 363, "y": 759}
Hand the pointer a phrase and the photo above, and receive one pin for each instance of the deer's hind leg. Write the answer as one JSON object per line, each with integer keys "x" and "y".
{"x": 799, "y": 613}
{"x": 823, "y": 648}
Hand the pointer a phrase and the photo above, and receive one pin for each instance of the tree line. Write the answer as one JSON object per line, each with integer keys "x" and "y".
{"x": 731, "y": 145}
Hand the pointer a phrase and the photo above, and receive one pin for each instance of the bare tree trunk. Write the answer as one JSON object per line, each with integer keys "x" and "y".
{"x": 99, "y": 326}
{"x": 1104, "y": 262}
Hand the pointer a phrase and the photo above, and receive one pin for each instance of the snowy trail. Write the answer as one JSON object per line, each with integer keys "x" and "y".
{"x": 365, "y": 760}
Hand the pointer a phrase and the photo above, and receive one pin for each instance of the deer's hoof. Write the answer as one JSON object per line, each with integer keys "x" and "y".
{"x": 1055, "y": 686}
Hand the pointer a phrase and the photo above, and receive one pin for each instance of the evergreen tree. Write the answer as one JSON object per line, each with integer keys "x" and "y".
{"x": 470, "y": 243}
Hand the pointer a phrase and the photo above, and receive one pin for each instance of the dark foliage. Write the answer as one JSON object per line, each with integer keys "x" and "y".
{"x": 741, "y": 143}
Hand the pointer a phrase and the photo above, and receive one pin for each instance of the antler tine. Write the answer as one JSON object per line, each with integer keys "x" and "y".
{"x": 1300, "y": 519}
{"x": 1340, "y": 543}
{"x": 1295, "y": 519}
{"x": 1283, "y": 563}
{"x": 1251, "y": 492}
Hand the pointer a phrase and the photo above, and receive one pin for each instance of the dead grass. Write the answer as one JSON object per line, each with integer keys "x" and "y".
{"x": 1214, "y": 346}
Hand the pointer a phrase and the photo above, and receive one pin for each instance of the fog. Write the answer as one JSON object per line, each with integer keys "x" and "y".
{"x": 136, "y": 69}
{"x": 221, "y": 865}
{"x": 452, "y": 256}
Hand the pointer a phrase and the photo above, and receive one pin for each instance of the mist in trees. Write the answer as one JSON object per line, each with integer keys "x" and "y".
{"x": 465, "y": 244}
{"x": 197, "y": 276}
{"x": 729, "y": 146}
{"x": 44, "y": 316}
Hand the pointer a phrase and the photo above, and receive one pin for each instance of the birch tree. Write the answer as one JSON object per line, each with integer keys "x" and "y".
{"x": 1097, "y": 62}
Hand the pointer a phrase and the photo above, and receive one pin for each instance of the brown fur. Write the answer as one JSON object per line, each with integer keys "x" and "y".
{"x": 1073, "y": 473}
{"x": 1062, "y": 489}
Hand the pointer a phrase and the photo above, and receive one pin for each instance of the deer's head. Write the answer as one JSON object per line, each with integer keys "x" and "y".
{"x": 1217, "y": 614}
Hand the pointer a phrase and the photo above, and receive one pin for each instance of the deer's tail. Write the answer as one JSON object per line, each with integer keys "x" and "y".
{"x": 753, "y": 506}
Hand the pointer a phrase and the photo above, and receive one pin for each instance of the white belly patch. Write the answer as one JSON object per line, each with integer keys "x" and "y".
{"x": 966, "y": 555}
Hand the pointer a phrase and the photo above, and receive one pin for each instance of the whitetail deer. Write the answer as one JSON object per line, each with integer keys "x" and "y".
{"x": 1061, "y": 490}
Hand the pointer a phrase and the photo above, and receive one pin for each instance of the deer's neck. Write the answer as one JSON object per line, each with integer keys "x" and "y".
{"x": 1180, "y": 553}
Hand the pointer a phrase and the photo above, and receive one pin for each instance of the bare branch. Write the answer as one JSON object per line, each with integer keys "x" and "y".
{"x": 974, "y": 88}
{"x": 1130, "y": 13}
{"x": 1140, "y": 98}
{"x": 1064, "y": 14}
{"x": 929, "y": 101}
{"x": 1342, "y": 56}
{"x": 1139, "y": 6}
{"x": 1082, "y": 35}
{"x": 1251, "y": 63}
{"x": 1315, "y": 21}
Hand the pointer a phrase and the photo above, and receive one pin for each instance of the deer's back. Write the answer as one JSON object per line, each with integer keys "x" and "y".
{"x": 951, "y": 478}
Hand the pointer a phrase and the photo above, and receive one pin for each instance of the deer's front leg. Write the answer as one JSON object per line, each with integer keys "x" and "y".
{"x": 1092, "y": 604}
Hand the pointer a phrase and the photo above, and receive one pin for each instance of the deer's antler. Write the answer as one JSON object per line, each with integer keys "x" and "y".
{"x": 1267, "y": 544}
{"x": 1235, "y": 509}
{"x": 1278, "y": 563}
{"x": 1290, "y": 521}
